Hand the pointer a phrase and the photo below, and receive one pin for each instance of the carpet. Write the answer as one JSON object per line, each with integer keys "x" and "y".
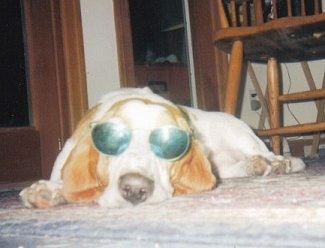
{"x": 282, "y": 211}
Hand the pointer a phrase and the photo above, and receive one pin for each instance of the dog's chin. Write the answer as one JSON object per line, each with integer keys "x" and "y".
{"x": 112, "y": 199}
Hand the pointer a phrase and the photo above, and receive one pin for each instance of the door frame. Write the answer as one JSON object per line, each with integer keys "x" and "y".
{"x": 57, "y": 77}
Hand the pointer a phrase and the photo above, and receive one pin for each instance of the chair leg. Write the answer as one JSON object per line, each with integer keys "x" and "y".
{"x": 273, "y": 94}
{"x": 320, "y": 104}
{"x": 233, "y": 77}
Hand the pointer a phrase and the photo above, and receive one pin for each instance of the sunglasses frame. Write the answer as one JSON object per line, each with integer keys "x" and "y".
{"x": 127, "y": 135}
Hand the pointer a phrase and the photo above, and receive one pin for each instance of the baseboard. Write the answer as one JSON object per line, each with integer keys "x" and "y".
{"x": 14, "y": 186}
{"x": 297, "y": 147}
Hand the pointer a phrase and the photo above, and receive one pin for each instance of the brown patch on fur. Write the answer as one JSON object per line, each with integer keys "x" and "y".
{"x": 81, "y": 181}
{"x": 192, "y": 173}
{"x": 178, "y": 115}
{"x": 83, "y": 125}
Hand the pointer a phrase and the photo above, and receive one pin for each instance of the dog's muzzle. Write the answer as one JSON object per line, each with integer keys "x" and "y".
{"x": 135, "y": 188}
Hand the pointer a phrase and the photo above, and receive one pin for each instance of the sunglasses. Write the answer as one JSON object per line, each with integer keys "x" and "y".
{"x": 167, "y": 142}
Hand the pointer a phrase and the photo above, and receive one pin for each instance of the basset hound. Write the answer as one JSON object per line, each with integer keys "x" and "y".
{"x": 135, "y": 147}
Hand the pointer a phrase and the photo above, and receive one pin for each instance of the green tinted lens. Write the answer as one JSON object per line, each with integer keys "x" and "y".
{"x": 169, "y": 143}
{"x": 111, "y": 138}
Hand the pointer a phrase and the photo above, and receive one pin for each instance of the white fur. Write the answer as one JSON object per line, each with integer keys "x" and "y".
{"x": 61, "y": 159}
{"x": 230, "y": 143}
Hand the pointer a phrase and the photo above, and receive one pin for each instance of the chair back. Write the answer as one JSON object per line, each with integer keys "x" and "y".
{"x": 256, "y": 12}
{"x": 289, "y": 30}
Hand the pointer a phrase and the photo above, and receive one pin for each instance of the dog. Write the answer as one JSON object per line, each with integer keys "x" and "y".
{"x": 135, "y": 147}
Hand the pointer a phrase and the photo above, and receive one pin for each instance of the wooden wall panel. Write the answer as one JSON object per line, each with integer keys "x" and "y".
{"x": 19, "y": 154}
{"x": 57, "y": 76}
{"x": 202, "y": 17}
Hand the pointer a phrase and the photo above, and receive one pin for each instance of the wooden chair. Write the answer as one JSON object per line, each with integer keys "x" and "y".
{"x": 252, "y": 31}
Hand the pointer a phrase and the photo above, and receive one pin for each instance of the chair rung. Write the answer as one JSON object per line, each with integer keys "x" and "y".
{"x": 304, "y": 95}
{"x": 295, "y": 129}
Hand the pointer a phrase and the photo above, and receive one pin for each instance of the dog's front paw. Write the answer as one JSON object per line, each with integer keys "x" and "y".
{"x": 281, "y": 165}
{"x": 42, "y": 194}
{"x": 260, "y": 166}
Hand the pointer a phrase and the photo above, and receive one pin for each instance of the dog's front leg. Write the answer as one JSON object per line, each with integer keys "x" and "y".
{"x": 261, "y": 166}
{"x": 42, "y": 194}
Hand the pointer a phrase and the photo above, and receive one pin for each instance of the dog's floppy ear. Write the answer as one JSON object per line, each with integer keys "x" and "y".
{"x": 84, "y": 175}
{"x": 193, "y": 172}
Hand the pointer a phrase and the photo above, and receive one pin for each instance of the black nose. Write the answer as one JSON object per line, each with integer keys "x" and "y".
{"x": 135, "y": 188}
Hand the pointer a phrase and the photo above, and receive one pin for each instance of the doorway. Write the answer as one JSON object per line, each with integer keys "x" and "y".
{"x": 50, "y": 41}
{"x": 20, "y": 144}
{"x": 14, "y": 109}
{"x": 206, "y": 84}
{"x": 160, "y": 49}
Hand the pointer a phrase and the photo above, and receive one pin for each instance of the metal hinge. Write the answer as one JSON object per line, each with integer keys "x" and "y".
{"x": 59, "y": 144}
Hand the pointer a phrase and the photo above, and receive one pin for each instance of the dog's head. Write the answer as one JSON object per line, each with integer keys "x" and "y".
{"x": 139, "y": 148}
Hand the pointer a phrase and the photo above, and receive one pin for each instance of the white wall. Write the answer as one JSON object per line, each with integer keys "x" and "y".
{"x": 293, "y": 80}
{"x": 100, "y": 48}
